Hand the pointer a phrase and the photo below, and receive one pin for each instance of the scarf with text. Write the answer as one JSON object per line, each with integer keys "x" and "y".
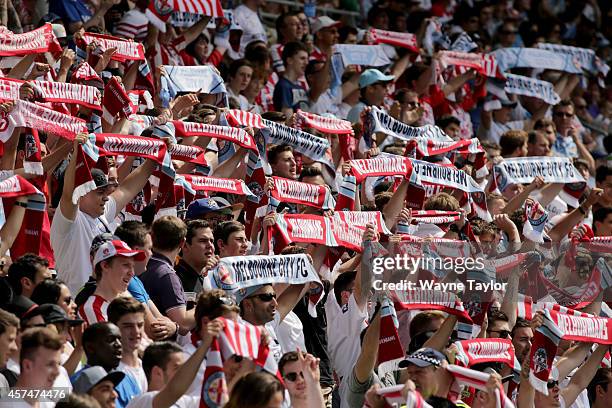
{"x": 543, "y": 350}
{"x": 362, "y": 218}
{"x": 32, "y": 161}
{"x": 522, "y": 170}
{"x": 316, "y": 229}
{"x": 435, "y": 217}
{"x": 291, "y": 191}
{"x": 346, "y": 194}
{"x": 28, "y": 114}
{"x": 237, "y": 338}
{"x": 238, "y": 273}
{"x": 222, "y": 185}
{"x": 116, "y": 101}
{"x": 508, "y": 58}
{"x": 333, "y": 126}
{"x": 583, "y": 327}
{"x": 314, "y": 147}
{"x": 32, "y": 42}
{"x": 484, "y": 64}
{"x": 477, "y": 351}
{"x": 394, "y": 38}
{"x": 535, "y": 88}
{"x": 377, "y": 120}
{"x": 586, "y": 58}
{"x": 427, "y": 147}
{"x": 426, "y": 299}
{"x": 190, "y": 154}
{"x": 126, "y": 50}
{"x": 235, "y": 135}
{"x": 390, "y": 350}
{"x": 472, "y": 378}
{"x": 382, "y": 166}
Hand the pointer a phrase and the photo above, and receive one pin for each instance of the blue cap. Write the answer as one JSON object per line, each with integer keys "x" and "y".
{"x": 372, "y": 76}
{"x": 203, "y": 206}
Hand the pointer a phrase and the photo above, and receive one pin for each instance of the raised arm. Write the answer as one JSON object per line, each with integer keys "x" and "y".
{"x": 563, "y": 227}
{"x": 581, "y": 378}
{"x": 11, "y": 228}
{"x": 365, "y": 274}
{"x": 395, "y": 205}
{"x": 133, "y": 184}
{"x": 67, "y": 207}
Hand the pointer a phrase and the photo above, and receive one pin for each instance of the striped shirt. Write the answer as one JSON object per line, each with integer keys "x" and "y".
{"x": 133, "y": 25}
{"x": 94, "y": 310}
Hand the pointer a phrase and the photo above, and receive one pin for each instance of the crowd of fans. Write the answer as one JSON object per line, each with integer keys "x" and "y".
{"x": 139, "y": 275}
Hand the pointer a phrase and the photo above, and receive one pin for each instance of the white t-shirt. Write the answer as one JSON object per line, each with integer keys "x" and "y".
{"x": 252, "y": 29}
{"x": 272, "y": 328}
{"x": 344, "y": 326}
{"x": 146, "y": 401}
{"x": 291, "y": 333}
{"x": 136, "y": 372}
{"x": 327, "y": 103}
{"x": 498, "y": 129}
{"x": 195, "y": 388}
{"x": 71, "y": 242}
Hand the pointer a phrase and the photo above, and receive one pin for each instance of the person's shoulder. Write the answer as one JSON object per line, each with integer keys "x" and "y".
{"x": 144, "y": 400}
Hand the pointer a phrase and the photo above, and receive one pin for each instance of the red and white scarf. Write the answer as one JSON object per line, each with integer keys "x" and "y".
{"x": 381, "y": 166}
{"x": 46, "y": 91}
{"x": 291, "y": 191}
{"x": 326, "y": 125}
{"x": 536, "y": 217}
{"x": 13, "y": 187}
{"x": 126, "y": 49}
{"x": 472, "y": 378}
{"x": 236, "y": 135}
{"x": 484, "y": 64}
{"x": 222, "y": 185}
{"x": 27, "y": 114}
{"x": 582, "y": 328}
{"x": 599, "y": 280}
{"x": 428, "y": 147}
{"x": 390, "y": 350}
{"x": 393, "y": 398}
{"x": 190, "y": 154}
{"x": 543, "y": 350}
{"x": 236, "y": 117}
{"x": 33, "y": 42}
{"x": 85, "y": 74}
{"x": 116, "y": 101}
{"x": 425, "y": 299}
{"x": 435, "y": 217}
{"x": 394, "y": 38}
{"x": 240, "y": 339}
{"x": 477, "y": 351}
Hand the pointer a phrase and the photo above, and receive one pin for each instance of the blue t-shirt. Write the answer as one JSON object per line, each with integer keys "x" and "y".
{"x": 137, "y": 290}
{"x": 70, "y": 10}
{"x": 127, "y": 389}
{"x": 288, "y": 94}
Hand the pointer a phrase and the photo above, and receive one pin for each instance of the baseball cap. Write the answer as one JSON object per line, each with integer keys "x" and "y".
{"x": 55, "y": 314}
{"x": 323, "y": 22}
{"x": 372, "y": 76}
{"x": 59, "y": 30}
{"x": 423, "y": 357}
{"x": 203, "y": 206}
{"x": 114, "y": 248}
{"x": 92, "y": 376}
{"x": 99, "y": 178}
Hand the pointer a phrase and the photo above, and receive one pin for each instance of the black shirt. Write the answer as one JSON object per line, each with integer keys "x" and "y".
{"x": 191, "y": 280}
{"x": 315, "y": 334}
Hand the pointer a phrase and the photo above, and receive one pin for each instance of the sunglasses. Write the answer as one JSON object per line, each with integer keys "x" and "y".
{"x": 293, "y": 376}
{"x": 264, "y": 297}
{"x": 563, "y": 114}
{"x": 552, "y": 384}
{"x": 503, "y": 334}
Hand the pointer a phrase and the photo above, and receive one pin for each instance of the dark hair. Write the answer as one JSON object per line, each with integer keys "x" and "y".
{"x": 291, "y": 49}
{"x": 520, "y": 323}
{"x": 602, "y": 377}
{"x": 288, "y": 357}
{"x": 342, "y": 283}
{"x": 280, "y": 24}
{"x": 496, "y": 315}
{"x": 121, "y": 306}
{"x": 512, "y": 140}
{"x": 190, "y": 48}
{"x": 210, "y": 304}
{"x": 192, "y": 227}
{"x": 7, "y": 320}
{"x": 310, "y": 172}
{"x": 418, "y": 322}
{"x": 93, "y": 332}
{"x": 25, "y": 266}
{"x": 168, "y": 232}
{"x": 236, "y": 65}
{"x": 47, "y": 291}
{"x": 254, "y": 390}
{"x": 441, "y": 202}
{"x": 602, "y": 173}
{"x": 562, "y": 104}
{"x": 133, "y": 233}
{"x": 345, "y": 31}
{"x": 157, "y": 355}
{"x": 275, "y": 151}
{"x": 274, "y": 116}
{"x": 35, "y": 338}
{"x": 78, "y": 401}
{"x": 225, "y": 229}
{"x": 292, "y": 250}
{"x": 257, "y": 54}
{"x": 447, "y": 120}
{"x": 600, "y": 215}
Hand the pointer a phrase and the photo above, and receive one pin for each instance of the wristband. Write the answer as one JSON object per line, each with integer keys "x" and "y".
{"x": 582, "y": 210}
{"x": 21, "y": 204}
